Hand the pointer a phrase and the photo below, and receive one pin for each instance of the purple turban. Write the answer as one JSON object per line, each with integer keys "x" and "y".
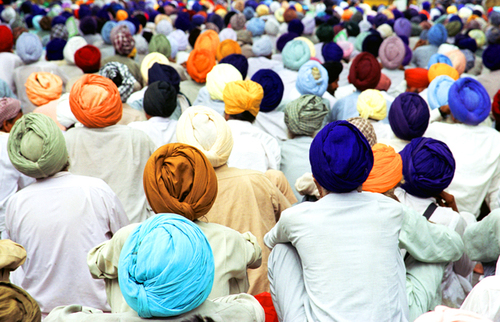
{"x": 238, "y": 61}
{"x": 273, "y": 88}
{"x": 408, "y": 56}
{"x": 372, "y": 43}
{"x": 182, "y": 21}
{"x": 159, "y": 72}
{"x": 332, "y": 52}
{"x": 402, "y": 27}
{"x": 54, "y": 49}
{"x": 392, "y": 52}
{"x": 428, "y": 167}
{"x": 88, "y": 25}
{"x": 380, "y": 19}
{"x": 491, "y": 57}
{"x": 284, "y": 39}
{"x": 409, "y": 116}
{"x": 468, "y": 101}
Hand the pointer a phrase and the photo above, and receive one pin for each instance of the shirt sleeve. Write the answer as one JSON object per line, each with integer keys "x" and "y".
{"x": 277, "y": 235}
{"x": 252, "y": 250}
{"x": 482, "y": 238}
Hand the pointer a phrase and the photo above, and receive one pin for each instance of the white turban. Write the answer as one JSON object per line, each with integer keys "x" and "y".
{"x": 218, "y": 77}
{"x": 227, "y": 33}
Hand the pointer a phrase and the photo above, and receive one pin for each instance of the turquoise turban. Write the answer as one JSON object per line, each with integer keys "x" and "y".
{"x": 469, "y": 101}
{"x": 37, "y": 147}
{"x": 312, "y": 79}
{"x": 437, "y": 92}
{"x": 167, "y": 278}
{"x": 295, "y": 54}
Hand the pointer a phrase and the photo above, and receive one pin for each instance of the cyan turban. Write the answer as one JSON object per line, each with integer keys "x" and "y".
{"x": 409, "y": 116}
{"x": 312, "y": 79}
{"x": 273, "y": 88}
{"x": 437, "y": 92}
{"x": 106, "y": 31}
{"x": 437, "y": 35}
{"x": 439, "y": 58}
{"x": 428, "y": 167}
{"x": 29, "y": 47}
{"x": 295, "y": 54}
{"x": 256, "y": 26}
{"x": 238, "y": 61}
{"x": 332, "y": 52}
{"x": 341, "y": 157}
{"x": 167, "y": 278}
{"x": 468, "y": 101}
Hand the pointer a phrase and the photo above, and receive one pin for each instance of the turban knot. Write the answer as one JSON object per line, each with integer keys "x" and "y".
{"x": 409, "y": 116}
{"x": 468, "y": 101}
{"x": 241, "y": 96}
{"x": 387, "y": 169}
{"x": 439, "y": 69}
{"x": 305, "y": 115}
{"x": 43, "y": 87}
{"x": 437, "y": 93}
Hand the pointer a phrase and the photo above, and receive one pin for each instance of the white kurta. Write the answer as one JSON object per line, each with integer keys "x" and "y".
{"x": 295, "y": 160}
{"x": 204, "y": 99}
{"x": 273, "y": 123}
{"x": 161, "y": 130}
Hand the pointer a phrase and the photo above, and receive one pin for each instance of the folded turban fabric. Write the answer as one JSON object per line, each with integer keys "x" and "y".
{"x": 159, "y": 43}
{"x": 200, "y": 63}
{"x": 352, "y": 28}
{"x": 160, "y": 99}
{"x": 325, "y": 33}
{"x": 6, "y": 39}
{"x": 29, "y": 48}
{"x": 392, "y": 52}
{"x": 387, "y": 169}
{"x": 371, "y": 43}
{"x": 36, "y": 146}
{"x": 402, "y": 27}
{"x": 409, "y": 116}
{"x": 437, "y": 93}
{"x": 417, "y": 77}
{"x": 249, "y": 13}
{"x": 55, "y": 49}
{"x": 262, "y": 10}
{"x": 468, "y": 101}
{"x": 384, "y": 84}
{"x": 334, "y": 69}
{"x": 385, "y": 31}
{"x": 244, "y": 37}
{"x": 458, "y": 60}
{"x": 241, "y": 96}
{"x": 372, "y": 104}
{"x": 437, "y": 35}
{"x": 129, "y": 24}
{"x": 438, "y": 58}
{"x": 310, "y": 44}
{"x": 364, "y": 72}
{"x": 284, "y": 39}
{"x": 304, "y": 115}
{"x": 9, "y": 108}
{"x": 347, "y": 48}
{"x": 312, "y": 78}
{"x": 273, "y": 88}
{"x": 467, "y": 43}
{"x": 88, "y": 25}
{"x": 428, "y": 167}
{"x": 12, "y": 255}
{"x": 149, "y": 61}
{"x": 122, "y": 40}
{"x": 207, "y": 130}
{"x": 59, "y": 31}
{"x": 263, "y": 46}
{"x": 227, "y": 33}
{"x": 168, "y": 278}
{"x": 295, "y": 54}
{"x": 218, "y": 77}
{"x": 278, "y": 14}
{"x": 161, "y": 72}
{"x": 238, "y": 21}
{"x": 73, "y": 44}
{"x": 121, "y": 77}
{"x": 493, "y": 35}
{"x": 453, "y": 28}
{"x": 439, "y": 69}
{"x": 17, "y": 305}
{"x": 256, "y": 26}
{"x": 88, "y": 59}
{"x": 495, "y": 106}
{"x": 106, "y": 31}
{"x": 491, "y": 57}
{"x": 238, "y": 61}
{"x": 272, "y": 27}
{"x": 43, "y": 87}
{"x": 95, "y": 101}
{"x": 365, "y": 127}
{"x": 332, "y": 52}
{"x": 208, "y": 40}
{"x": 226, "y": 48}
{"x": 295, "y": 26}
{"x": 479, "y": 36}
{"x": 164, "y": 27}
{"x": 181, "y": 38}
{"x": 341, "y": 157}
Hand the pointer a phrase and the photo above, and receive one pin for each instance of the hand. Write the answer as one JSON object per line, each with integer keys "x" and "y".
{"x": 445, "y": 199}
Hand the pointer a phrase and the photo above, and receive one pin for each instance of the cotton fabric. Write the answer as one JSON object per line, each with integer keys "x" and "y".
{"x": 305, "y": 115}
{"x": 273, "y": 88}
{"x": 9, "y": 108}
{"x": 218, "y": 77}
{"x": 417, "y": 77}
{"x": 17, "y": 304}
{"x": 439, "y": 69}
{"x": 200, "y": 63}
{"x": 295, "y": 54}
{"x": 387, "y": 169}
{"x": 371, "y": 104}
{"x": 364, "y": 72}
{"x": 116, "y": 70}
{"x": 409, "y": 116}
{"x": 312, "y": 78}
{"x": 29, "y": 47}
{"x": 468, "y": 101}
{"x": 437, "y": 93}
{"x": 392, "y": 52}
{"x": 241, "y": 96}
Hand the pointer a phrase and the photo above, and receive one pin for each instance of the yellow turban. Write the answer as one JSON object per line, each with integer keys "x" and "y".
{"x": 241, "y": 96}
{"x": 226, "y": 48}
{"x": 43, "y": 87}
{"x": 278, "y": 14}
{"x": 387, "y": 169}
{"x": 209, "y": 39}
{"x": 149, "y": 61}
{"x": 262, "y": 10}
{"x": 309, "y": 44}
{"x": 218, "y": 77}
{"x": 439, "y": 69}
{"x": 451, "y": 10}
{"x": 371, "y": 104}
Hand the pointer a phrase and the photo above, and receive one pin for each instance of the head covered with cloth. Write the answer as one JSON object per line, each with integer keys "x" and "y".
{"x": 17, "y": 305}
{"x": 121, "y": 76}
{"x": 242, "y": 96}
{"x": 468, "y": 101}
{"x": 387, "y": 170}
{"x": 364, "y": 72}
{"x": 409, "y": 116}
{"x": 304, "y": 116}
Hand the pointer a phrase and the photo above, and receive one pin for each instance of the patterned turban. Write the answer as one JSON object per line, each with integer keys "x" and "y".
{"x": 365, "y": 127}
{"x": 305, "y": 115}
{"x": 122, "y": 40}
{"x": 121, "y": 76}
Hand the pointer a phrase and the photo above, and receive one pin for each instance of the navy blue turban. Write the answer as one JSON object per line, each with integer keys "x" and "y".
{"x": 428, "y": 167}
{"x": 467, "y": 43}
{"x": 54, "y": 49}
{"x": 332, "y": 52}
{"x": 160, "y": 99}
{"x": 491, "y": 57}
{"x": 296, "y": 26}
{"x": 468, "y": 101}
{"x": 217, "y": 20}
{"x": 372, "y": 43}
{"x": 160, "y": 72}
{"x": 284, "y": 39}
{"x": 182, "y": 21}
{"x": 334, "y": 69}
{"x": 273, "y": 88}
{"x": 58, "y": 20}
{"x": 341, "y": 157}
{"x": 238, "y": 61}
{"x": 409, "y": 116}
{"x": 88, "y": 25}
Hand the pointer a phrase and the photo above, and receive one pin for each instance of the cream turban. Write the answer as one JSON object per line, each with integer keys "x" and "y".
{"x": 73, "y": 44}
{"x": 371, "y": 104}
{"x": 218, "y": 77}
{"x": 205, "y": 129}
{"x": 149, "y": 61}
{"x": 309, "y": 44}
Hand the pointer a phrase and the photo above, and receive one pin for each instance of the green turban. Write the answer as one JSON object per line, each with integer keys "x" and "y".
{"x": 36, "y": 146}
{"x": 305, "y": 115}
{"x": 160, "y": 44}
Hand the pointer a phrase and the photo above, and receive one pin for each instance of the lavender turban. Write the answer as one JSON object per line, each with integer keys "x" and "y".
{"x": 273, "y": 88}
{"x": 437, "y": 92}
{"x": 238, "y": 61}
{"x": 409, "y": 116}
{"x": 402, "y": 27}
{"x": 29, "y": 47}
{"x": 392, "y": 52}
{"x": 332, "y": 52}
{"x": 439, "y": 58}
{"x": 468, "y": 101}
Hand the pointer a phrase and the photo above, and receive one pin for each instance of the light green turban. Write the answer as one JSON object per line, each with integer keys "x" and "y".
{"x": 160, "y": 44}
{"x": 36, "y": 146}
{"x": 358, "y": 43}
{"x": 305, "y": 115}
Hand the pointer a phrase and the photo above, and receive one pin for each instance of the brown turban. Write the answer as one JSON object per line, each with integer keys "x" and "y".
{"x": 289, "y": 15}
{"x": 43, "y": 87}
{"x": 179, "y": 179}
{"x": 365, "y": 72}
{"x": 17, "y": 305}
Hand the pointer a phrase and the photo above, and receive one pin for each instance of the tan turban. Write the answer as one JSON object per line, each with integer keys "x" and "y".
{"x": 205, "y": 129}
{"x": 17, "y": 305}
{"x": 365, "y": 127}
{"x": 241, "y": 96}
{"x": 179, "y": 179}
{"x": 12, "y": 256}
{"x": 43, "y": 87}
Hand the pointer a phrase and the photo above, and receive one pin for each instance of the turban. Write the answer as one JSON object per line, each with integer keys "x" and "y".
{"x": 428, "y": 167}
{"x": 226, "y": 48}
{"x": 379, "y": 19}
{"x": 437, "y": 35}
{"x": 284, "y": 39}
{"x": 244, "y": 37}
{"x": 241, "y": 96}
{"x": 45, "y": 23}
{"x": 295, "y": 54}
{"x": 164, "y": 27}
{"x": 9, "y": 108}
{"x": 365, "y": 127}
{"x": 295, "y": 26}
{"x": 438, "y": 58}
{"x": 325, "y": 33}
{"x": 491, "y": 57}
{"x": 200, "y": 63}
{"x": 402, "y": 27}
{"x": 384, "y": 84}
{"x": 161, "y": 72}
{"x": 437, "y": 93}
{"x": 208, "y": 40}
{"x": 458, "y": 60}
{"x": 17, "y": 305}
{"x": 334, "y": 69}
{"x": 29, "y": 48}
{"x": 122, "y": 40}
{"x": 159, "y": 44}
{"x": 218, "y": 77}
{"x": 387, "y": 169}
{"x": 467, "y": 43}
{"x": 341, "y": 157}
{"x": 409, "y": 116}
{"x": 59, "y": 20}
{"x": 494, "y": 18}
{"x": 121, "y": 76}
{"x": 272, "y": 27}
{"x": 73, "y": 44}
{"x": 278, "y": 14}
{"x": 95, "y": 101}
{"x": 141, "y": 44}
{"x": 121, "y": 15}
{"x": 180, "y": 37}
{"x": 495, "y": 106}
{"x": 290, "y": 14}
{"x": 392, "y": 52}
{"x": 43, "y": 87}
{"x": 106, "y": 31}
{"x": 238, "y": 61}
{"x": 206, "y": 130}
{"x": 6, "y": 39}
{"x": 479, "y": 36}
{"x": 364, "y": 72}
{"x": 273, "y": 88}
{"x": 262, "y": 46}
{"x": 468, "y": 101}
{"x": 262, "y": 10}
{"x": 168, "y": 278}
{"x": 88, "y": 25}
{"x": 385, "y": 31}
{"x": 312, "y": 78}
{"x": 227, "y": 33}
{"x": 36, "y": 146}
{"x": 130, "y": 25}
{"x": 305, "y": 115}
{"x": 352, "y": 28}
{"x": 309, "y": 25}
{"x": 55, "y": 49}
{"x": 238, "y": 21}
{"x": 372, "y": 104}
{"x": 149, "y": 61}
{"x": 453, "y": 28}
{"x": 5, "y": 90}
{"x": 445, "y": 48}
{"x": 332, "y": 52}
{"x": 249, "y": 13}
{"x": 160, "y": 99}
{"x": 347, "y": 48}
{"x": 372, "y": 44}
{"x": 417, "y": 77}
{"x": 88, "y": 59}
{"x": 439, "y": 69}
{"x": 358, "y": 43}
{"x": 256, "y": 26}
{"x": 493, "y": 35}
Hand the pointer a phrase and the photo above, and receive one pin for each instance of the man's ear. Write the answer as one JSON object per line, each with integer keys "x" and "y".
{"x": 320, "y": 188}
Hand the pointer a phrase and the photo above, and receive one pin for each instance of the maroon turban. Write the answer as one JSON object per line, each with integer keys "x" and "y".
{"x": 365, "y": 72}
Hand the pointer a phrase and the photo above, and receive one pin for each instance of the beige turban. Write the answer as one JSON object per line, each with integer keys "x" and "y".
{"x": 372, "y": 104}
{"x": 218, "y": 77}
{"x": 17, "y": 305}
{"x": 12, "y": 256}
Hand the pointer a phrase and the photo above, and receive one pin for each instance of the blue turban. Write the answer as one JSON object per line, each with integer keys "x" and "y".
{"x": 262, "y": 46}
{"x": 238, "y": 61}
{"x": 295, "y": 54}
{"x": 372, "y": 43}
{"x": 491, "y": 57}
{"x": 167, "y": 278}
{"x": 251, "y": 3}
{"x": 273, "y": 88}
{"x": 467, "y": 43}
{"x": 198, "y": 20}
{"x": 58, "y": 20}
{"x": 437, "y": 35}
{"x": 256, "y": 26}
{"x": 341, "y": 157}
{"x": 428, "y": 167}
{"x": 55, "y": 49}
{"x": 84, "y": 11}
{"x": 296, "y": 26}
{"x": 135, "y": 22}
{"x": 29, "y": 47}
{"x": 129, "y": 25}
{"x": 332, "y": 52}
{"x": 409, "y": 116}
{"x": 249, "y": 12}
{"x": 437, "y": 92}
{"x": 88, "y": 25}
{"x": 439, "y": 58}
{"x": 106, "y": 31}
{"x": 5, "y": 90}
{"x": 402, "y": 27}
{"x": 468, "y": 101}
{"x": 166, "y": 73}
{"x": 182, "y": 21}
{"x": 284, "y": 39}
{"x": 306, "y": 82}
{"x": 426, "y": 6}
{"x": 217, "y": 20}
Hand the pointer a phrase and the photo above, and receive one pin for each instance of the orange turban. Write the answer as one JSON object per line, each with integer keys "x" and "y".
{"x": 387, "y": 169}
{"x": 209, "y": 40}
{"x": 416, "y": 77}
{"x": 199, "y": 64}
{"x": 241, "y": 96}
{"x": 346, "y": 15}
{"x": 226, "y": 48}
{"x": 43, "y": 87}
{"x": 95, "y": 101}
{"x": 439, "y": 69}
{"x": 179, "y": 179}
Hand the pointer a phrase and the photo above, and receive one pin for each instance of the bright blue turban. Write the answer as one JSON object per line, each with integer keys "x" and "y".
{"x": 409, "y": 116}
{"x": 428, "y": 167}
{"x": 468, "y": 101}
{"x": 166, "y": 267}
{"x": 29, "y": 47}
{"x": 295, "y": 54}
{"x": 238, "y": 61}
{"x": 307, "y": 84}
{"x": 106, "y": 31}
{"x": 273, "y": 88}
{"x": 437, "y": 92}
{"x": 439, "y": 58}
{"x": 341, "y": 157}
{"x": 437, "y": 35}
{"x": 332, "y": 52}
{"x": 256, "y": 26}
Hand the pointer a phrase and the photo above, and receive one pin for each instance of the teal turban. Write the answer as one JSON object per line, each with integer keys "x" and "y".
{"x": 166, "y": 267}
{"x": 37, "y": 147}
{"x": 295, "y": 54}
{"x": 305, "y": 115}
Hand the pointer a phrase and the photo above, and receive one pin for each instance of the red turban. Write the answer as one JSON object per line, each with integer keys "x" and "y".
{"x": 88, "y": 58}
{"x": 6, "y": 39}
{"x": 495, "y": 107}
{"x": 365, "y": 72}
{"x": 417, "y": 77}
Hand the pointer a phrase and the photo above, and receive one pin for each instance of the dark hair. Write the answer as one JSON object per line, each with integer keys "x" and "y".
{"x": 245, "y": 116}
{"x": 199, "y": 318}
